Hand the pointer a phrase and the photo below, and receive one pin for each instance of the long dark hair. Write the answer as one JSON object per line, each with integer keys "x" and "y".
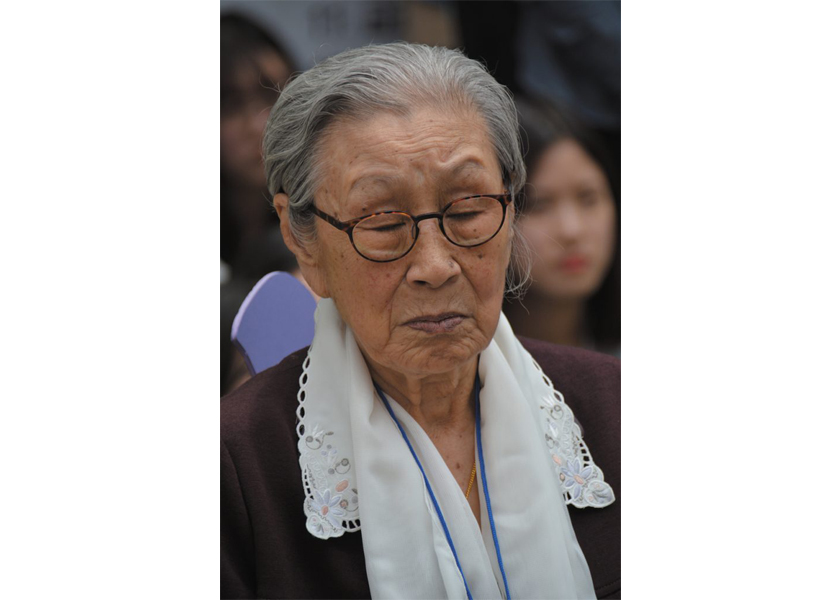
{"x": 543, "y": 124}
{"x": 241, "y": 41}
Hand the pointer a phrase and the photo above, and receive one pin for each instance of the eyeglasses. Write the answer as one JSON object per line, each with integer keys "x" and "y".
{"x": 388, "y": 236}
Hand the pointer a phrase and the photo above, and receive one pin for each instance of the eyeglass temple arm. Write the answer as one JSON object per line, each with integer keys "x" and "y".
{"x": 345, "y": 227}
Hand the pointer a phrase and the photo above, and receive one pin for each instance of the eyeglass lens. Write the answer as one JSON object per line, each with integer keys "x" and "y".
{"x": 467, "y": 222}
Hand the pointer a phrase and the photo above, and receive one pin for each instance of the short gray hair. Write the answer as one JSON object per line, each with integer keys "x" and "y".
{"x": 394, "y": 78}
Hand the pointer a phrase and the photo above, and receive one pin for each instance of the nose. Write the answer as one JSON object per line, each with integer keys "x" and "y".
{"x": 432, "y": 258}
{"x": 568, "y": 223}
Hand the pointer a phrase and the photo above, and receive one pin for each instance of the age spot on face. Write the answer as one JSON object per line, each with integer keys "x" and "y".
{"x": 378, "y": 300}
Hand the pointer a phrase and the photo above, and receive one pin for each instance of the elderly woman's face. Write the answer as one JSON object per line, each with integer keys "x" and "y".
{"x": 437, "y": 307}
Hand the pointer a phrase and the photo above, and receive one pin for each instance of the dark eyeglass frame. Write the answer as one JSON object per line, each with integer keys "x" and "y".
{"x": 347, "y": 226}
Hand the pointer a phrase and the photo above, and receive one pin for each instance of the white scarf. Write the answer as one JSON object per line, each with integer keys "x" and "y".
{"x": 359, "y": 473}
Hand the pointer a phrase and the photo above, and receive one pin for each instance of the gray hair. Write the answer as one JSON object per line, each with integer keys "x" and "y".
{"x": 395, "y": 78}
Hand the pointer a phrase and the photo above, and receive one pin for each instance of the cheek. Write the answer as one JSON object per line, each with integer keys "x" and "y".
{"x": 487, "y": 273}
{"x": 363, "y": 293}
{"x": 374, "y": 286}
{"x": 488, "y": 277}
{"x": 603, "y": 234}
{"x": 540, "y": 241}
{"x": 534, "y": 227}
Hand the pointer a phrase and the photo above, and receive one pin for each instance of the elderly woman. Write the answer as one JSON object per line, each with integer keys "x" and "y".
{"x": 417, "y": 449}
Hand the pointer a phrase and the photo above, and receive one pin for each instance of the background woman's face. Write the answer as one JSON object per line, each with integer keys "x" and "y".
{"x": 416, "y": 164}
{"x": 245, "y": 108}
{"x": 572, "y": 224}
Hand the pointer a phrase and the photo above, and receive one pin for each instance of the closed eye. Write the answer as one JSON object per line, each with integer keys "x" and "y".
{"x": 385, "y": 223}
{"x": 463, "y": 216}
{"x": 386, "y": 228}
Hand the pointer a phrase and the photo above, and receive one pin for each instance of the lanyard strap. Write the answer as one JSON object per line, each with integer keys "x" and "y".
{"x": 486, "y": 490}
{"x": 483, "y": 480}
{"x": 428, "y": 488}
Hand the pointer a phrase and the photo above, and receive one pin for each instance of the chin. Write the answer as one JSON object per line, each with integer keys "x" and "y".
{"x": 440, "y": 354}
{"x": 436, "y": 365}
{"x": 566, "y": 289}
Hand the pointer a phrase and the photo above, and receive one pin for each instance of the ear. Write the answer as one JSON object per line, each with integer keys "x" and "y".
{"x": 307, "y": 255}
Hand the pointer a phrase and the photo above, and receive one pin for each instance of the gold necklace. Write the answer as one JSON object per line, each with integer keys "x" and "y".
{"x": 472, "y": 479}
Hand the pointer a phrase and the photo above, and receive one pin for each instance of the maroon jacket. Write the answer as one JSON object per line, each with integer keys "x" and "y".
{"x": 267, "y": 551}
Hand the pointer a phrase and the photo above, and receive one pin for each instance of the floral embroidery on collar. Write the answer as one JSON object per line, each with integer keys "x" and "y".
{"x": 583, "y": 482}
{"x": 331, "y": 505}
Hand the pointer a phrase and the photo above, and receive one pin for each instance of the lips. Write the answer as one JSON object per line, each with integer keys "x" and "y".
{"x": 574, "y": 263}
{"x": 440, "y": 323}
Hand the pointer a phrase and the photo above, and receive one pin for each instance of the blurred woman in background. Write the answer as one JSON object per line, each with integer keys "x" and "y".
{"x": 571, "y": 221}
{"x": 254, "y": 68}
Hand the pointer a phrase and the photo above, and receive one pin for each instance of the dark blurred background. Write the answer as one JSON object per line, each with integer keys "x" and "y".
{"x": 561, "y": 60}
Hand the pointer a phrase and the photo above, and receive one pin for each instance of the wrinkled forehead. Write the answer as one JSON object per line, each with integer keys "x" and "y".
{"x": 428, "y": 148}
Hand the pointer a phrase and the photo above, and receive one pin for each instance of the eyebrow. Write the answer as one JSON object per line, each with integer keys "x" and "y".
{"x": 376, "y": 179}
{"x": 452, "y": 173}
{"x": 466, "y": 165}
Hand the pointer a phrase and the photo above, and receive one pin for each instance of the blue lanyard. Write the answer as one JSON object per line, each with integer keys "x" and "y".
{"x": 487, "y": 491}
{"x": 432, "y": 494}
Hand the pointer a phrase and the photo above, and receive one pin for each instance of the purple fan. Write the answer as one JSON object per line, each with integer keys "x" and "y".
{"x": 276, "y": 318}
